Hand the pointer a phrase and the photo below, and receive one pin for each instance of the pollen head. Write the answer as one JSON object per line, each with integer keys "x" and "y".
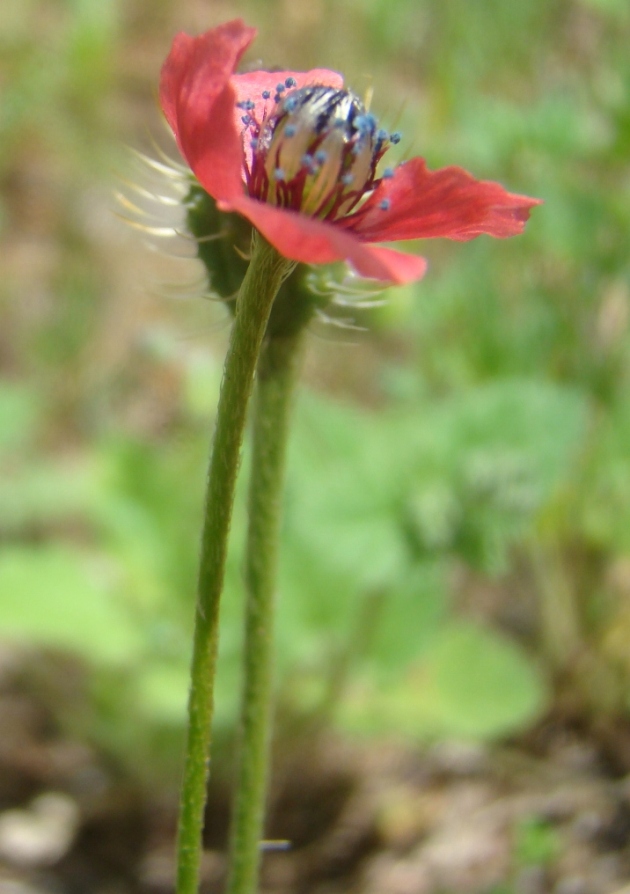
{"x": 316, "y": 152}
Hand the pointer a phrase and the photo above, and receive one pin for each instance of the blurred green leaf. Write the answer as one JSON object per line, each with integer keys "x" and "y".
{"x": 471, "y": 684}
{"x": 478, "y": 684}
{"x": 41, "y": 493}
{"x": 59, "y": 597}
{"x": 161, "y": 691}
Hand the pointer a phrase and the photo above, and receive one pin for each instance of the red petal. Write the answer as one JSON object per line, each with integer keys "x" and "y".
{"x": 253, "y": 84}
{"x": 313, "y": 241}
{"x": 199, "y": 103}
{"x": 448, "y": 202}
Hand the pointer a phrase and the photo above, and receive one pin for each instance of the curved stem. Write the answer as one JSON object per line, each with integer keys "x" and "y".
{"x": 277, "y": 373}
{"x": 258, "y": 290}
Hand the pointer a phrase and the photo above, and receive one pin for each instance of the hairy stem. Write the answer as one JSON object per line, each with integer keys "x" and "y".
{"x": 261, "y": 283}
{"x": 277, "y": 373}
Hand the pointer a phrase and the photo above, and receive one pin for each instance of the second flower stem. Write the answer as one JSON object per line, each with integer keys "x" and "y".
{"x": 277, "y": 373}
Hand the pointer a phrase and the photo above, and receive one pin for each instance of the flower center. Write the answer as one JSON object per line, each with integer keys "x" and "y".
{"x": 316, "y": 152}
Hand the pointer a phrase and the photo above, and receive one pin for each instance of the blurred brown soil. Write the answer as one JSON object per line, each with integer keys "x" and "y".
{"x": 548, "y": 813}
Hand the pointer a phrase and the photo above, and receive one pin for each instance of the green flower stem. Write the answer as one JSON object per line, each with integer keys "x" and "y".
{"x": 259, "y": 288}
{"x": 277, "y": 373}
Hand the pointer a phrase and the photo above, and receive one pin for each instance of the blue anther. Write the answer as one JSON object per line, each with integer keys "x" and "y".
{"x": 290, "y": 82}
{"x": 382, "y": 135}
{"x": 365, "y": 124}
{"x": 290, "y": 130}
{"x": 241, "y": 105}
{"x": 290, "y": 104}
{"x": 347, "y": 179}
{"x": 388, "y": 173}
{"x": 320, "y": 156}
{"x": 254, "y": 143}
{"x": 266, "y": 94}
{"x": 307, "y": 160}
{"x": 246, "y": 119}
{"x": 277, "y": 98}
{"x": 395, "y": 137}
{"x": 385, "y": 204}
{"x": 279, "y": 174}
{"x": 280, "y": 88}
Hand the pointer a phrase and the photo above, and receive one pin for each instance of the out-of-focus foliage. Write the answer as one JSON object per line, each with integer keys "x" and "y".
{"x": 456, "y": 543}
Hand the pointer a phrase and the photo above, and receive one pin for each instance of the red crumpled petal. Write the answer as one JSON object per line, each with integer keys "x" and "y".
{"x": 253, "y": 84}
{"x": 314, "y": 241}
{"x": 448, "y": 202}
{"x": 199, "y": 103}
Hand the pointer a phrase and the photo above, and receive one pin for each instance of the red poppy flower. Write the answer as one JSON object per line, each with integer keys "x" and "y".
{"x": 297, "y": 155}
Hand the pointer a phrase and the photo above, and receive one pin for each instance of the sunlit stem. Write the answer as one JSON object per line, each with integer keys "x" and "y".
{"x": 258, "y": 290}
{"x": 277, "y": 373}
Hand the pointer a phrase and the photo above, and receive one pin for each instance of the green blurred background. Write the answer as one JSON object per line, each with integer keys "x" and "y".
{"x": 456, "y": 555}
